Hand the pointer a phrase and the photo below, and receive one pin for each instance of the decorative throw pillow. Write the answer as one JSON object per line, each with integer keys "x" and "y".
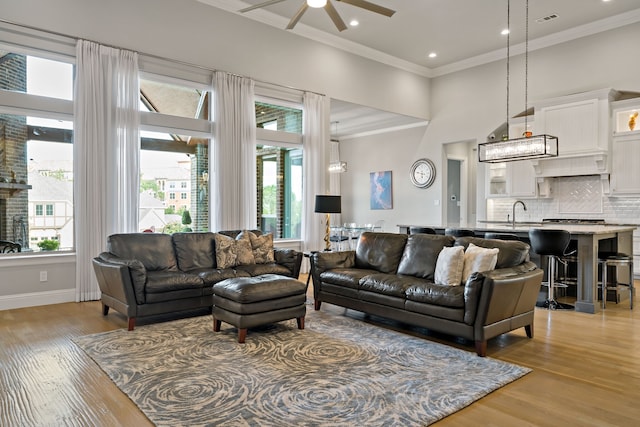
{"x": 262, "y": 247}
{"x": 478, "y": 259}
{"x": 449, "y": 266}
{"x": 231, "y": 252}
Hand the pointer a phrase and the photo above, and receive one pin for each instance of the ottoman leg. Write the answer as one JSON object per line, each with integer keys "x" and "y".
{"x": 242, "y": 334}
{"x": 300, "y": 321}
{"x": 216, "y": 324}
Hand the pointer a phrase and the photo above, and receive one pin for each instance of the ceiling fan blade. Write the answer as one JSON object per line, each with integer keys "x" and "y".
{"x": 259, "y": 5}
{"x": 297, "y": 16}
{"x": 335, "y": 17}
{"x": 370, "y": 7}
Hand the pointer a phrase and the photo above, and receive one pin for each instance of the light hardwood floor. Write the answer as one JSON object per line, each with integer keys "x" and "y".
{"x": 586, "y": 370}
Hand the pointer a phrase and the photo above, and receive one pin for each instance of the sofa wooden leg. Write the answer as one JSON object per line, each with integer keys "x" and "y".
{"x": 216, "y": 324}
{"x": 300, "y": 321}
{"x": 242, "y": 334}
{"x": 132, "y": 323}
{"x": 316, "y": 305}
{"x": 481, "y": 348}
{"x": 105, "y": 309}
{"x": 529, "y": 330}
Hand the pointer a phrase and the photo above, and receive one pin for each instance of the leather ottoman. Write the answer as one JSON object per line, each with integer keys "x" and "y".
{"x": 246, "y": 302}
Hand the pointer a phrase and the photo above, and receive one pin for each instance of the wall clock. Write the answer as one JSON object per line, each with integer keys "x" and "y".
{"x": 423, "y": 173}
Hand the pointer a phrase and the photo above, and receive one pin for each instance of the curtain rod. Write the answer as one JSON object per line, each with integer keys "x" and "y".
{"x": 150, "y": 55}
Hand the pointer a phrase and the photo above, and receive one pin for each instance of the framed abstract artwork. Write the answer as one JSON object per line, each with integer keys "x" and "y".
{"x": 380, "y": 190}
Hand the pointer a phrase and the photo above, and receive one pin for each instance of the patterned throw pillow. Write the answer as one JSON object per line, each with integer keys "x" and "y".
{"x": 231, "y": 252}
{"x": 478, "y": 259}
{"x": 449, "y": 266}
{"x": 262, "y": 247}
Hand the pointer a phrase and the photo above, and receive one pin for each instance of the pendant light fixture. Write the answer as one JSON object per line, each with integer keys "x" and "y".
{"x": 528, "y": 146}
{"x": 336, "y": 166}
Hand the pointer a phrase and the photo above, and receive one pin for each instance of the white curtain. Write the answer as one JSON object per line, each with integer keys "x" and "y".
{"x": 314, "y": 137}
{"x": 233, "y": 158}
{"x": 106, "y": 154}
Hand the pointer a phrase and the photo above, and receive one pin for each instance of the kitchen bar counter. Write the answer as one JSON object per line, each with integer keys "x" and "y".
{"x": 589, "y": 238}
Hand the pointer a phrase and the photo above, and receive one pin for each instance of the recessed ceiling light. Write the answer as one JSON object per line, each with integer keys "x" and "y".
{"x": 504, "y": 32}
{"x": 433, "y": 55}
{"x": 354, "y": 23}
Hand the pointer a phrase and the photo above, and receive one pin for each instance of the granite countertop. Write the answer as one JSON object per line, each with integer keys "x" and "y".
{"x": 524, "y": 227}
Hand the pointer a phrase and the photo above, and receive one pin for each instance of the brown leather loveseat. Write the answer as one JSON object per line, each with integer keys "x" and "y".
{"x": 392, "y": 275}
{"x": 146, "y": 274}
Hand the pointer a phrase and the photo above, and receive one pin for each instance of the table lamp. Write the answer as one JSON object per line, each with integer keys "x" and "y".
{"x": 327, "y": 205}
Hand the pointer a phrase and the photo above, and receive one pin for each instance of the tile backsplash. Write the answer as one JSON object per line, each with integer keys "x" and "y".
{"x": 578, "y": 197}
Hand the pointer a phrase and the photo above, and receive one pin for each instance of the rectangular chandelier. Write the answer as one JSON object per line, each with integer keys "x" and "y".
{"x": 337, "y": 167}
{"x": 525, "y": 148}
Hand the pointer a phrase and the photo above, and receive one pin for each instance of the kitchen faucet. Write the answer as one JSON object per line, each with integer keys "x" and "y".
{"x": 513, "y": 213}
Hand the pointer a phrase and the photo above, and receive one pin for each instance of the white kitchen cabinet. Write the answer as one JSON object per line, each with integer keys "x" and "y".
{"x": 625, "y": 147}
{"x": 511, "y": 179}
{"x": 580, "y": 121}
{"x": 625, "y": 164}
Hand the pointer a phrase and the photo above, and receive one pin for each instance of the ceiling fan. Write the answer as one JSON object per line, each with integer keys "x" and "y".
{"x": 328, "y": 6}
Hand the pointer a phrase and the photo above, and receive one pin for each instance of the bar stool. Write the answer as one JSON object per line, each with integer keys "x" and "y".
{"x": 608, "y": 259}
{"x": 421, "y": 230}
{"x": 553, "y": 244}
{"x": 459, "y": 232}
{"x": 500, "y": 236}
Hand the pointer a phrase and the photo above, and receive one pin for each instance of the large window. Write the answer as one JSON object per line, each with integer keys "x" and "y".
{"x": 174, "y": 181}
{"x": 36, "y": 153}
{"x": 279, "y": 169}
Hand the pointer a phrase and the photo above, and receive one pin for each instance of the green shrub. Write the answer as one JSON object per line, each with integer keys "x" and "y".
{"x": 48, "y": 245}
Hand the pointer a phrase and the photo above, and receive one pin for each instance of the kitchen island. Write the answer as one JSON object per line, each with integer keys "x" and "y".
{"x": 589, "y": 238}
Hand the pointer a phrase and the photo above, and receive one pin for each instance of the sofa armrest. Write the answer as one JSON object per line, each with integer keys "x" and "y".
{"x": 289, "y": 258}
{"x": 115, "y": 285}
{"x": 507, "y": 293}
{"x": 133, "y": 275}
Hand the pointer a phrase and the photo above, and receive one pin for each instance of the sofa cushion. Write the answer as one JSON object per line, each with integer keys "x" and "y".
{"x": 449, "y": 266}
{"x": 420, "y": 254}
{"x": 349, "y": 277}
{"x": 387, "y": 284}
{"x": 432, "y": 293}
{"x": 153, "y": 250}
{"x": 195, "y": 250}
{"x": 260, "y": 269}
{"x": 262, "y": 247}
{"x": 380, "y": 251}
{"x": 167, "y": 286}
{"x": 478, "y": 259}
{"x": 231, "y": 252}
{"x": 511, "y": 252}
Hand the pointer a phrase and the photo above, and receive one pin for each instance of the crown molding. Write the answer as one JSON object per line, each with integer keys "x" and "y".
{"x": 269, "y": 18}
{"x": 580, "y": 31}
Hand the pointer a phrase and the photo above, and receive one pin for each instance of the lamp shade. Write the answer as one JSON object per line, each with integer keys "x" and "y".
{"x": 328, "y": 204}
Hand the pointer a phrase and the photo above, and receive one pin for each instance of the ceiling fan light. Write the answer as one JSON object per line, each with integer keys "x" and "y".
{"x": 316, "y": 3}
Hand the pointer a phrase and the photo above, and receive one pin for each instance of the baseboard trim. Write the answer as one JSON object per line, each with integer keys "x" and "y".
{"x": 8, "y": 302}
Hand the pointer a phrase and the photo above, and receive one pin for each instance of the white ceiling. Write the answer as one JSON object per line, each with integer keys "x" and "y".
{"x": 463, "y": 33}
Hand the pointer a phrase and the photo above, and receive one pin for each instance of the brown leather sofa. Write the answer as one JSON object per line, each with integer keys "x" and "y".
{"x": 146, "y": 274}
{"x": 392, "y": 275}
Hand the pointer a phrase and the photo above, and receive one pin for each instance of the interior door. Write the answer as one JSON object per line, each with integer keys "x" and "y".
{"x": 453, "y": 191}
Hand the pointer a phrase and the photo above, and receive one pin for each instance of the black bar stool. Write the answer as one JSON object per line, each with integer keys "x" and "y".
{"x": 500, "y": 236}
{"x": 553, "y": 244}
{"x": 608, "y": 259}
{"x": 421, "y": 230}
{"x": 459, "y": 232}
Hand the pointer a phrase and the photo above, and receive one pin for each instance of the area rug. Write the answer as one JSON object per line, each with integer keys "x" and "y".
{"x": 338, "y": 371}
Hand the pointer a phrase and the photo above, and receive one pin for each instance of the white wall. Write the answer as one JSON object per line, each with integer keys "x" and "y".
{"x": 470, "y": 104}
{"x": 190, "y": 31}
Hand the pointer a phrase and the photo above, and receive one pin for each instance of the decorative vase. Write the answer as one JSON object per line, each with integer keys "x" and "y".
{"x": 632, "y": 120}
